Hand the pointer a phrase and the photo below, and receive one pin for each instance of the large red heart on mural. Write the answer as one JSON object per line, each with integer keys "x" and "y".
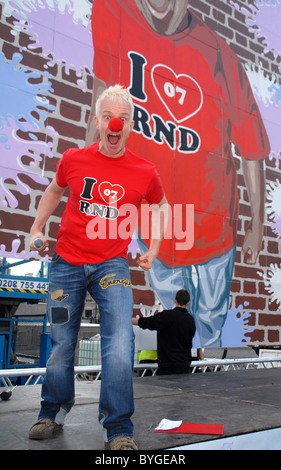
{"x": 111, "y": 192}
{"x": 180, "y": 94}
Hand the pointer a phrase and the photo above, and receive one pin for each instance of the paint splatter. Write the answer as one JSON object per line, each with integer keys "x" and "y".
{"x": 20, "y": 96}
{"x": 263, "y": 20}
{"x": 60, "y": 32}
{"x": 276, "y": 226}
{"x": 147, "y": 311}
{"x": 235, "y": 325}
{"x": 80, "y": 9}
{"x": 15, "y": 253}
{"x": 268, "y": 95}
{"x": 272, "y": 282}
{"x": 13, "y": 152}
{"x": 273, "y": 206}
{"x": 21, "y": 101}
{"x": 133, "y": 247}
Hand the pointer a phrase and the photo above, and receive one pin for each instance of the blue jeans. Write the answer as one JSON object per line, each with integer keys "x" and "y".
{"x": 209, "y": 285}
{"x": 109, "y": 285}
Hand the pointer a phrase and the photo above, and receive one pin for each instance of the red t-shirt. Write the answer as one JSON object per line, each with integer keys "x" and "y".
{"x": 104, "y": 196}
{"x": 192, "y": 102}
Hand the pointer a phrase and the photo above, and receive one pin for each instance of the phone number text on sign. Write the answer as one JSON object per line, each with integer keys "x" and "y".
{"x": 22, "y": 284}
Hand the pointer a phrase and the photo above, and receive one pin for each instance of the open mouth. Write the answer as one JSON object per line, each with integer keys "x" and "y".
{"x": 113, "y": 139}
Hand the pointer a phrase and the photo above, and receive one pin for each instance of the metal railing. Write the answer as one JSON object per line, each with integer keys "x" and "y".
{"x": 35, "y": 374}
{"x": 215, "y": 365}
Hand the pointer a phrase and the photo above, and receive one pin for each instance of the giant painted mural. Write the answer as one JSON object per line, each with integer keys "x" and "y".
{"x": 205, "y": 80}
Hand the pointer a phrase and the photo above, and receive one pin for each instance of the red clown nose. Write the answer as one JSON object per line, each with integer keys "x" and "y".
{"x": 115, "y": 124}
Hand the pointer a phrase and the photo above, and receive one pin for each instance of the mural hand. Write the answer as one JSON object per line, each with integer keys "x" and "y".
{"x": 252, "y": 242}
{"x": 250, "y": 256}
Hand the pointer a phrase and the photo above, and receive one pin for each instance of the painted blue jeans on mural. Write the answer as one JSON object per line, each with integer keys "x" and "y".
{"x": 109, "y": 285}
{"x": 209, "y": 285}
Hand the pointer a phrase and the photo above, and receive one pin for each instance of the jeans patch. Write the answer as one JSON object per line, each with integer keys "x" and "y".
{"x": 59, "y": 315}
{"x": 113, "y": 282}
{"x": 58, "y": 295}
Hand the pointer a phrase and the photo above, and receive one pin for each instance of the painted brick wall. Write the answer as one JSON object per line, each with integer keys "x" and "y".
{"x": 248, "y": 286}
{"x": 69, "y": 120}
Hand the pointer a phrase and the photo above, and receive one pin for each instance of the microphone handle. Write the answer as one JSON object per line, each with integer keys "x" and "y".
{"x": 38, "y": 243}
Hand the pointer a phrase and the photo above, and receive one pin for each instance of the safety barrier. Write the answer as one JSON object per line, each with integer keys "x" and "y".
{"x": 35, "y": 374}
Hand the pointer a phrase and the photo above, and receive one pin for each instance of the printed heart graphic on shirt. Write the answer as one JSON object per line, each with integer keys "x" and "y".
{"x": 111, "y": 193}
{"x": 180, "y": 94}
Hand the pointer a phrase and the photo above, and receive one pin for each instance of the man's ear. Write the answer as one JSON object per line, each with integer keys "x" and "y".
{"x": 97, "y": 122}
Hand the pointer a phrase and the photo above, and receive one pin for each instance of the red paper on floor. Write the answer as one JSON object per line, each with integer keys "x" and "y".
{"x": 190, "y": 428}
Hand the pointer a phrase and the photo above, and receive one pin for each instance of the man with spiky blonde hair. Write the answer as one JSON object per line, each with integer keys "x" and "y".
{"x": 102, "y": 182}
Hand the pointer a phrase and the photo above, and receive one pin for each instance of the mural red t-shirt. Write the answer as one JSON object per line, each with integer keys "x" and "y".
{"x": 192, "y": 102}
{"x": 103, "y": 192}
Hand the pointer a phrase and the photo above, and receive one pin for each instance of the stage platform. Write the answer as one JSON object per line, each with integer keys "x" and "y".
{"x": 246, "y": 402}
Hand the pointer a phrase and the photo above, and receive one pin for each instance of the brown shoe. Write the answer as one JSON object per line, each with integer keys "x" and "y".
{"x": 121, "y": 443}
{"x": 44, "y": 428}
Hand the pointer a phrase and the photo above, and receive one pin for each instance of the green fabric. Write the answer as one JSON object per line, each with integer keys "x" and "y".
{"x": 147, "y": 355}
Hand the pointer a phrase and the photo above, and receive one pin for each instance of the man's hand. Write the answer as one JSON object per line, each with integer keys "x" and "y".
{"x": 40, "y": 235}
{"x": 146, "y": 260}
{"x": 159, "y": 222}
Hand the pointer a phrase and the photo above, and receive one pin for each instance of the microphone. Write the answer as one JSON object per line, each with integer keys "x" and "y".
{"x": 115, "y": 124}
{"x": 38, "y": 243}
